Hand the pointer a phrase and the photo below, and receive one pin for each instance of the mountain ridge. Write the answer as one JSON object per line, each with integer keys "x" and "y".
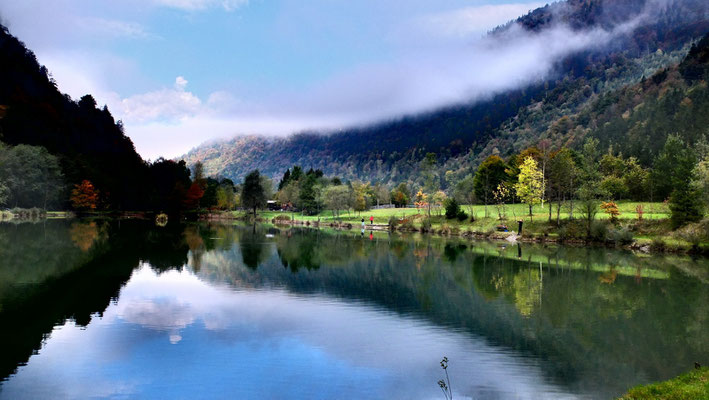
{"x": 389, "y": 151}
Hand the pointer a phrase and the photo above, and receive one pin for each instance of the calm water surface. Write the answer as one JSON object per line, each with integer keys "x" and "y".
{"x": 93, "y": 309}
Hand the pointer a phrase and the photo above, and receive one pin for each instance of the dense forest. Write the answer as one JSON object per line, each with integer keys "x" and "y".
{"x": 582, "y": 88}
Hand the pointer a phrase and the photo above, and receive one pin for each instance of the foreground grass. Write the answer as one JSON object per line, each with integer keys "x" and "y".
{"x": 689, "y": 386}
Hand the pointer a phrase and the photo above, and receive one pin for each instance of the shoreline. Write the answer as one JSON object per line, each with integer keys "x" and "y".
{"x": 446, "y": 231}
{"x": 508, "y": 237}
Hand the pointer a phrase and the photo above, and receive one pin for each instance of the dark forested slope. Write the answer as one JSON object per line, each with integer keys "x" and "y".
{"x": 89, "y": 143}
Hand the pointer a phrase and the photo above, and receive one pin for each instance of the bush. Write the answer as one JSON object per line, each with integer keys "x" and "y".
{"x": 621, "y": 236}
{"x": 393, "y": 222}
{"x": 658, "y": 244}
{"x": 462, "y": 216}
{"x": 452, "y": 208}
{"x": 282, "y": 218}
{"x": 426, "y": 225}
{"x": 694, "y": 233}
{"x": 599, "y": 231}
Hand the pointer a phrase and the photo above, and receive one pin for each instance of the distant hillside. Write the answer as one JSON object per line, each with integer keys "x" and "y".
{"x": 460, "y": 136}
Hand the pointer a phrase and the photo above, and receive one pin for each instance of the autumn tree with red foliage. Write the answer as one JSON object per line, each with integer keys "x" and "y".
{"x": 84, "y": 196}
{"x": 194, "y": 194}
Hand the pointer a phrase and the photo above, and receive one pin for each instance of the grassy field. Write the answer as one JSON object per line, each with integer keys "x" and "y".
{"x": 513, "y": 212}
{"x": 692, "y": 385}
{"x": 654, "y": 229}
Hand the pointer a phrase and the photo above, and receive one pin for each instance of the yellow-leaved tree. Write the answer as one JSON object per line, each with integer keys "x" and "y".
{"x": 530, "y": 186}
{"x": 421, "y": 200}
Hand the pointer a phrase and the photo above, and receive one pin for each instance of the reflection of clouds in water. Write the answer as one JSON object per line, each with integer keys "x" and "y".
{"x": 161, "y": 314}
{"x": 264, "y": 344}
{"x": 356, "y": 333}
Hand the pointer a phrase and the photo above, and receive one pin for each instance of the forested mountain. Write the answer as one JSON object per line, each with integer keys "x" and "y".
{"x": 43, "y": 128}
{"x": 578, "y": 100}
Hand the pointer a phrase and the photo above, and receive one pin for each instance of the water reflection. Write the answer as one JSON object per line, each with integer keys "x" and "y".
{"x": 254, "y": 312}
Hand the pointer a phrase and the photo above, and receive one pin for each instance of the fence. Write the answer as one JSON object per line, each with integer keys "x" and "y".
{"x": 383, "y": 206}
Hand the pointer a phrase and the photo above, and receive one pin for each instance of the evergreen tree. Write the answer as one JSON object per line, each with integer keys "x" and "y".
{"x": 489, "y": 175}
{"x": 308, "y": 196}
{"x": 685, "y": 206}
{"x": 452, "y": 208}
{"x": 285, "y": 180}
{"x": 677, "y": 162}
{"x": 253, "y": 195}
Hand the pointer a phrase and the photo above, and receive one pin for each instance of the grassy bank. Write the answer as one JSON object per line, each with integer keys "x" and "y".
{"x": 652, "y": 232}
{"x": 689, "y": 386}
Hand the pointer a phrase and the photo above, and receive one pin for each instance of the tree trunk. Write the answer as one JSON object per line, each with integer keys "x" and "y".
{"x": 531, "y": 217}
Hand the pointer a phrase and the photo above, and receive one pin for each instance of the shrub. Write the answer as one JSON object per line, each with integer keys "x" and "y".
{"x": 658, "y": 244}
{"x": 393, "y": 221}
{"x": 452, "y": 208}
{"x": 282, "y": 218}
{"x": 426, "y": 225}
{"x": 621, "y": 236}
{"x": 694, "y": 233}
{"x": 599, "y": 231}
{"x": 462, "y": 216}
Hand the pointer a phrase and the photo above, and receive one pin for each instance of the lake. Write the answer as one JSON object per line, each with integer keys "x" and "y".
{"x": 126, "y": 309}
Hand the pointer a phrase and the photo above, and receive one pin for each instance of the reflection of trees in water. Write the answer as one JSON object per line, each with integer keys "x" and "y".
{"x": 252, "y": 248}
{"x": 299, "y": 252}
{"x": 46, "y": 278}
{"x": 612, "y": 331}
{"x": 196, "y": 245}
{"x": 85, "y": 234}
{"x": 549, "y": 302}
{"x": 451, "y": 251}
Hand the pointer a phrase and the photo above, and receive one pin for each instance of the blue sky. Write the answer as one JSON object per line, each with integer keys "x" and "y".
{"x": 181, "y": 72}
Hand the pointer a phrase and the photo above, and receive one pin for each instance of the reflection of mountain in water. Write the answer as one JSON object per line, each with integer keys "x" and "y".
{"x": 590, "y": 315}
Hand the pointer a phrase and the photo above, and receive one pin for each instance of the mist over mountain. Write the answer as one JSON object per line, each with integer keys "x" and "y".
{"x": 519, "y": 82}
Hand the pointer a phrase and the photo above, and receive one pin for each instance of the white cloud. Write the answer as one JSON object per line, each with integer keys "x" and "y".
{"x": 194, "y": 5}
{"x": 112, "y": 27}
{"x": 163, "y": 104}
{"x": 436, "y": 60}
{"x": 169, "y": 122}
{"x": 180, "y": 83}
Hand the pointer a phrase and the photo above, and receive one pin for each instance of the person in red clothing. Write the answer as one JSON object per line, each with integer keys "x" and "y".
{"x": 371, "y": 220}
